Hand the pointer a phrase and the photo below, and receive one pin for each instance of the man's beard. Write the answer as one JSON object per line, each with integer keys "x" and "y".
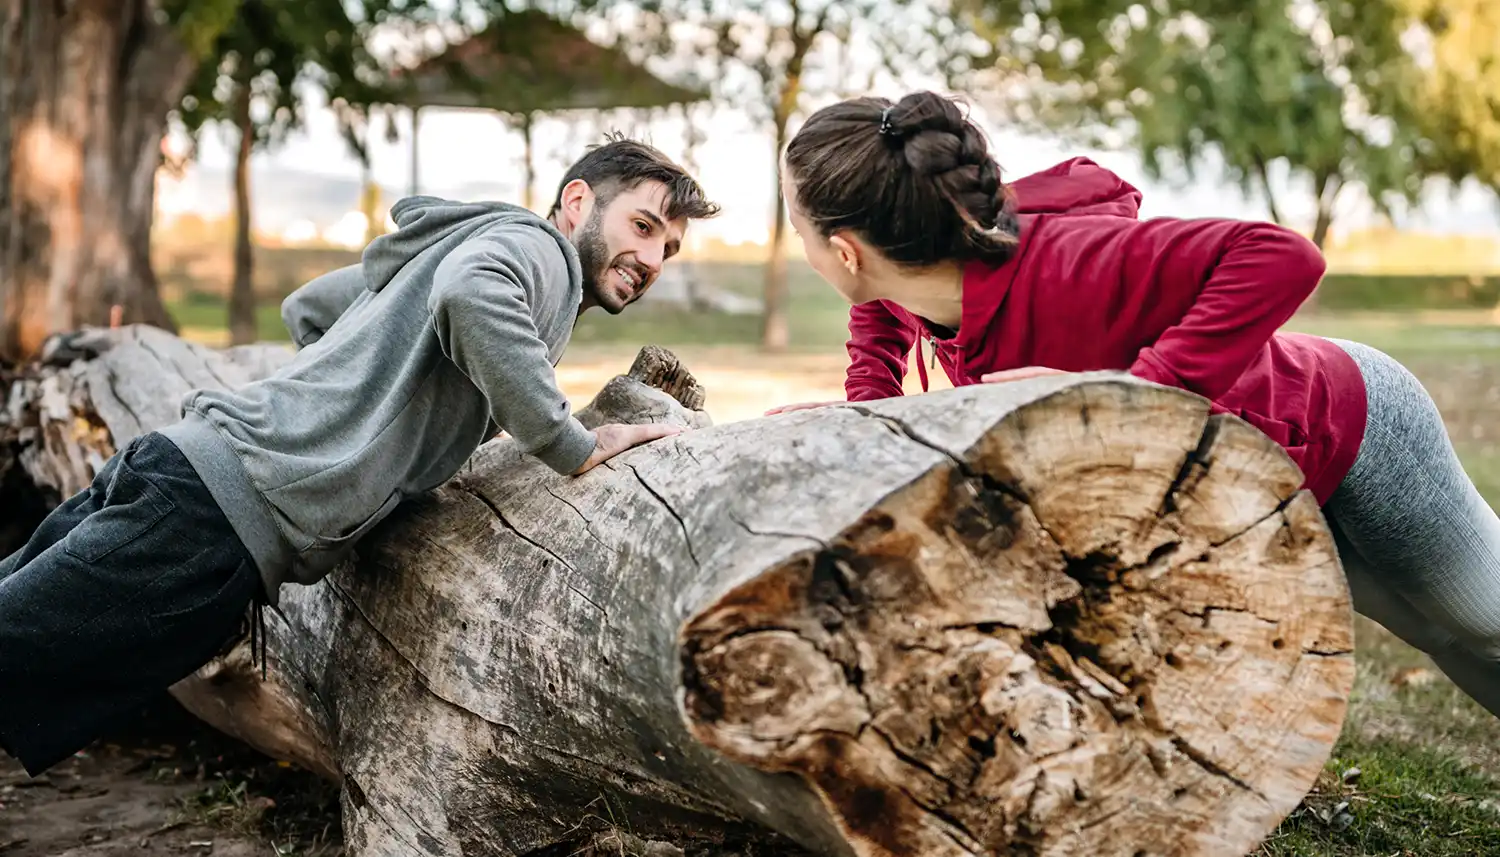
{"x": 594, "y": 259}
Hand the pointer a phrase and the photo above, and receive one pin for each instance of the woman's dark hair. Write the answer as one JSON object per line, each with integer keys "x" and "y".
{"x": 914, "y": 179}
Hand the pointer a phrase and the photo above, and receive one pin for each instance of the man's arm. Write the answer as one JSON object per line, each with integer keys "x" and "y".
{"x": 480, "y": 305}
{"x": 311, "y": 310}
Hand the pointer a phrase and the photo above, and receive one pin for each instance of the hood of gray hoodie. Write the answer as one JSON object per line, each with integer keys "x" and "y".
{"x": 446, "y": 331}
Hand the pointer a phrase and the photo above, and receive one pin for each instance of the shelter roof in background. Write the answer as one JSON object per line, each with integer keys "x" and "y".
{"x": 529, "y": 61}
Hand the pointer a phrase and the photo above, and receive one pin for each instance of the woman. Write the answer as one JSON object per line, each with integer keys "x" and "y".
{"x": 901, "y": 209}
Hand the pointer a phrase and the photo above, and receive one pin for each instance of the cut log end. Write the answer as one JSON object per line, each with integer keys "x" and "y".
{"x": 1035, "y": 651}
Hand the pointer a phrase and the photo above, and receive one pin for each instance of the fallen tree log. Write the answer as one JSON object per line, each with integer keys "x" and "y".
{"x": 1068, "y": 616}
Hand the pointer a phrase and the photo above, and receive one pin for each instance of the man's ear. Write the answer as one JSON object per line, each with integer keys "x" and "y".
{"x": 847, "y": 251}
{"x": 577, "y": 200}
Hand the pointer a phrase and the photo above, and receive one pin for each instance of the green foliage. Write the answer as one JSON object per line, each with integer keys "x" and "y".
{"x": 271, "y": 46}
{"x": 1339, "y": 92}
{"x": 1461, "y": 106}
{"x": 199, "y": 23}
{"x": 770, "y": 58}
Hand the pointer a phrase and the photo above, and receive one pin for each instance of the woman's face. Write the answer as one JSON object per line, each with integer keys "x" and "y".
{"x": 834, "y": 260}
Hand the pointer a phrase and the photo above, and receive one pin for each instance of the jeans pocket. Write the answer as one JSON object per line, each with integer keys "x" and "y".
{"x": 211, "y": 596}
{"x": 132, "y": 506}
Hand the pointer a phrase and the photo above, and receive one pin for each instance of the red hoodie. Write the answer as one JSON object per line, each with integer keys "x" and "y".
{"x": 1194, "y": 304}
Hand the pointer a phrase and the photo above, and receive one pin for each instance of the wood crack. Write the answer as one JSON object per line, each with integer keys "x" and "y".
{"x": 500, "y": 516}
{"x": 111, "y": 380}
{"x": 587, "y": 524}
{"x": 590, "y": 761}
{"x": 969, "y": 842}
{"x": 774, "y": 533}
{"x": 686, "y": 539}
{"x": 1195, "y": 463}
{"x": 1203, "y": 761}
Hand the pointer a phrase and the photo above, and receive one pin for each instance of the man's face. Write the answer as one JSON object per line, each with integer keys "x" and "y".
{"x": 623, "y": 244}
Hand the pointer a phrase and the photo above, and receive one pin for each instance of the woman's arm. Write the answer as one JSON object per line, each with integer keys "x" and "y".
{"x": 1250, "y": 279}
{"x": 878, "y": 345}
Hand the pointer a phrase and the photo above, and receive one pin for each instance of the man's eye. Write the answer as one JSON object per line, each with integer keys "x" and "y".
{"x": 643, "y": 226}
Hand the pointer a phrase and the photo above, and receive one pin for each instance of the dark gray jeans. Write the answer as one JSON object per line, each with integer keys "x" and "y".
{"x": 1420, "y": 546}
{"x": 126, "y": 588}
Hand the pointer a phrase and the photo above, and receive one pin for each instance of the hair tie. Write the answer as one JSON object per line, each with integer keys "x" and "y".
{"x": 885, "y": 123}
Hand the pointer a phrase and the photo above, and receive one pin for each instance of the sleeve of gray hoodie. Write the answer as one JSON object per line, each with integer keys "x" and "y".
{"x": 311, "y": 310}
{"x": 482, "y": 297}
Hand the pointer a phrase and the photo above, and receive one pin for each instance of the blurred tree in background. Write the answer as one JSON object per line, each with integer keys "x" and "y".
{"x": 86, "y": 93}
{"x": 1386, "y": 94}
{"x": 1384, "y": 97}
{"x": 270, "y": 48}
{"x": 774, "y": 59}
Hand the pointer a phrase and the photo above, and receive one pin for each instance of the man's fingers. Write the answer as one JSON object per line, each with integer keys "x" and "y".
{"x": 653, "y": 431}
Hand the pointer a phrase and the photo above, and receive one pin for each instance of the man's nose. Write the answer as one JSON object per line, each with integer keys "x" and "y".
{"x": 652, "y": 256}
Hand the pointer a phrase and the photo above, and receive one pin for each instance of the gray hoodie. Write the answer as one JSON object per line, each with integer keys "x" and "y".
{"x": 445, "y": 333}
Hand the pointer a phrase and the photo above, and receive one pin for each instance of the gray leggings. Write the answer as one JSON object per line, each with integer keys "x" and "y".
{"x": 1420, "y": 546}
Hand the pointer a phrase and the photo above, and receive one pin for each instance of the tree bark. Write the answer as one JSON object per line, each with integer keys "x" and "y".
{"x": 775, "y": 332}
{"x": 1073, "y": 615}
{"x": 85, "y": 90}
{"x": 243, "y": 329}
{"x": 775, "y": 324}
{"x": 1263, "y": 172}
{"x": 1329, "y": 187}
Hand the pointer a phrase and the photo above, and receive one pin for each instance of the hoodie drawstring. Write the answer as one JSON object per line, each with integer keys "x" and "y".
{"x": 922, "y": 362}
{"x": 258, "y": 637}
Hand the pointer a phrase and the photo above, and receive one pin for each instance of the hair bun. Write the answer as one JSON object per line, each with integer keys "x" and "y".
{"x": 914, "y": 177}
{"x": 926, "y": 111}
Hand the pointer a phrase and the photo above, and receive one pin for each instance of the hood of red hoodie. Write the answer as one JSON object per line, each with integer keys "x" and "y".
{"x": 1076, "y": 186}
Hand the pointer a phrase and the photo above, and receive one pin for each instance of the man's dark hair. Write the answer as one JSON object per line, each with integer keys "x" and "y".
{"x": 621, "y": 164}
{"x": 914, "y": 178}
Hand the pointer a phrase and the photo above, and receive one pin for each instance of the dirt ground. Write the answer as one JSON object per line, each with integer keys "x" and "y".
{"x": 168, "y": 785}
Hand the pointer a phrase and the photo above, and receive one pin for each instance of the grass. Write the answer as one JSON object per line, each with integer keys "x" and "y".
{"x": 1389, "y": 798}
{"x": 1429, "y": 758}
{"x": 296, "y": 813}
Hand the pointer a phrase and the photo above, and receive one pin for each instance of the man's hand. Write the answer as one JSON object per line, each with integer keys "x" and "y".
{"x": 1019, "y": 374}
{"x": 611, "y": 440}
{"x": 801, "y": 406}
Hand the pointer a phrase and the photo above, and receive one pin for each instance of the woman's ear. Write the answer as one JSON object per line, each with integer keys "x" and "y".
{"x": 848, "y": 252}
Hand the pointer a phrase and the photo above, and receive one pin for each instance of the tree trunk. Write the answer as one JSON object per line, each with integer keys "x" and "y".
{"x": 243, "y": 329}
{"x": 1263, "y": 172}
{"x": 1329, "y": 187}
{"x": 1073, "y": 615}
{"x": 85, "y": 89}
{"x": 775, "y": 330}
{"x": 528, "y": 166}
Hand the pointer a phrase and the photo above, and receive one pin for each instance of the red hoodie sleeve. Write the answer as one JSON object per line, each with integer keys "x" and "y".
{"x": 1261, "y": 276}
{"x": 878, "y": 345}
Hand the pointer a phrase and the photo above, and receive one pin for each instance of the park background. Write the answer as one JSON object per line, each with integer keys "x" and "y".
{"x": 1375, "y": 131}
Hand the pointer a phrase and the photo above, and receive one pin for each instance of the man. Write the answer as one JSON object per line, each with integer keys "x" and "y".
{"x": 446, "y": 333}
